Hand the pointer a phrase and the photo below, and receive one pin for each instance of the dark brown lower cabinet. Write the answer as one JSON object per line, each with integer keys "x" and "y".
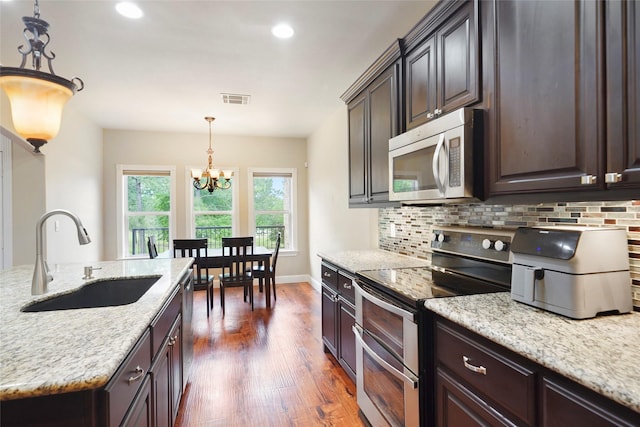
{"x": 141, "y": 411}
{"x": 338, "y": 317}
{"x": 459, "y": 406}
{"x": 329, "y": 320}
{"x": 481, "y": 383}
{"x": 347, "y": 354}
{"x": 563, "y": 404}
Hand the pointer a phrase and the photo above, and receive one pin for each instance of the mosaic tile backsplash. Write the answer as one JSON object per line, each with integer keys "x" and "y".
{"x": 412, "y": 225}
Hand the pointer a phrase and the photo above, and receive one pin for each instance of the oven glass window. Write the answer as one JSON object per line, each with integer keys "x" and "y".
{"x": 385, "y": 325}
{"x": 413, "y": 171}
{"x": 384, "y": 390}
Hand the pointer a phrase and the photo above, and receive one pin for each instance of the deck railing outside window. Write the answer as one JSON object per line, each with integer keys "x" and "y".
{"x": 265, "y": 236}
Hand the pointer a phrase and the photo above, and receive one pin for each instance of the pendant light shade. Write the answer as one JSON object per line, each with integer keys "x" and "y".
{"x": 37, "y": 98}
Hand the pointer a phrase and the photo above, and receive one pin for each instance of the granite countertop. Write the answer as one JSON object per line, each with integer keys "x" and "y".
{"x": 371, "y": 259}
{"x": 70, "y": 350}
{"x": 599, "y": 353}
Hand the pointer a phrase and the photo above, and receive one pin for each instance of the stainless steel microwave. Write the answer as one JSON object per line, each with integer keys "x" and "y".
{"x": 433, "y": 163}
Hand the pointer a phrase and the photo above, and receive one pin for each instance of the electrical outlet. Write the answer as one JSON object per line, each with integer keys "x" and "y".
{"x": 56, "y": 226}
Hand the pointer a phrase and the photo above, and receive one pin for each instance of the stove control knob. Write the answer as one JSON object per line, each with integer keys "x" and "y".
{"x": 434, "y": 237}
{"x": 441, "y": 238}
{"x": 500, "y": 245}
{"x": 486, "y": 244}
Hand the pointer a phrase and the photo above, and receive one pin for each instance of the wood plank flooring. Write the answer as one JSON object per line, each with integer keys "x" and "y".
{"x": 266, "y": 367}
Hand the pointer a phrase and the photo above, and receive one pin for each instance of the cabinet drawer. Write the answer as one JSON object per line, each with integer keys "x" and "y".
{"x": 329, "y": 276}
{"x": 510, "y": 384}
{"x": 162, "y": 323}
{"x": 127, "y": 381}
{"x": 345, "y": 286}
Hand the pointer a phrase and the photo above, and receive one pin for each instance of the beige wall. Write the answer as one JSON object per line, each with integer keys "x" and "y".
{"x": 185, "y": 150}
{"x": 334, "y": 227}
{"x": 67, "y": 176}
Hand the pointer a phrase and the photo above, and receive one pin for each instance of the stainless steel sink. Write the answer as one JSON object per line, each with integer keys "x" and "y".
{"x": 103, "y": 293}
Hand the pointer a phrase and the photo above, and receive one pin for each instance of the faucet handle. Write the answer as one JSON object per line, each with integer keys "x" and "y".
{"x": 88, "y": 272}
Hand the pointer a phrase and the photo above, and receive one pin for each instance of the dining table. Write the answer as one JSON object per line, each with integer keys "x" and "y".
{"x": 260, "y": 254}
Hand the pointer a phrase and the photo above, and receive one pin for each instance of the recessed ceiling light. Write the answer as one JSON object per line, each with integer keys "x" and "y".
{"x": 282, "y": 31}
{"x": 129, "y": 10}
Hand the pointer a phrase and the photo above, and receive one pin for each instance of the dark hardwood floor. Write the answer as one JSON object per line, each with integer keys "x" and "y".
{"x": 266, "y": 367}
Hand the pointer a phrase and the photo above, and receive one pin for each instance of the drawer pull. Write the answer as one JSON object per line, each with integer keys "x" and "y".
{"x": 477, "y": 369}
{"x": 140, "y": 373}
{"x": 346, "y": 285}
{"x": 326, "y": 274}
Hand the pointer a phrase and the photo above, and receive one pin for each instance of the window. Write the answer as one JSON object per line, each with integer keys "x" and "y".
{"x": 146, "y": 207}
{"x": 212, "y": 215}
{"x": 272, "y": 207}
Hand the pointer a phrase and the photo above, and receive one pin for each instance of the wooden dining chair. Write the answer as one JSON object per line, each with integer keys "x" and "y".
{"x": 196, "y": 248}
{"x": 237, "y": 268}
{"x": 151, "y": 246}
{"x": 259, "y": 273}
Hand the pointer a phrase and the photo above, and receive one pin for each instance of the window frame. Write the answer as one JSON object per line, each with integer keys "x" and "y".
{"x": 190, "y": 214}
{"x": 293, "y": 249}
{"x": 122, "y": 171}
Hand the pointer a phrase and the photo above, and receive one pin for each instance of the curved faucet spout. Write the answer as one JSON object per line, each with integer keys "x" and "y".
{"x": 41, "y": 273}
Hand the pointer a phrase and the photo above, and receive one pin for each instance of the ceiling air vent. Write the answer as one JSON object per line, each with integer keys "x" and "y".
{"x": 234, "y": 98}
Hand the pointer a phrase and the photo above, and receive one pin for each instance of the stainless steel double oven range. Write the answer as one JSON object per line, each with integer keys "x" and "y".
{"x": 393, "y": 345}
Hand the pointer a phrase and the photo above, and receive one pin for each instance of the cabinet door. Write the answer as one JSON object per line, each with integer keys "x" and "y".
{"x": 357, "y": 153}
{"x": 457, "y": 59}
{"x": 383, "y": 112}
{"x": 161, "y": 374}
{"x": 544, "y": 132}
{"x": 623, "y": 93}
{"x": 347, "y": 338}
{"x": 564, "y": 404}
{"x": 175, "y": 348}
{"x": 141, "y": 412}
{"x": 329, "y": 320}
{"x": 420, "y": 80}
{"x": 459, "y": 406}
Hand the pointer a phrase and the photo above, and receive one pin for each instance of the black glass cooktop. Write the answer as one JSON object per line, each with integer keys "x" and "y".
{"x": 413, "y": 283}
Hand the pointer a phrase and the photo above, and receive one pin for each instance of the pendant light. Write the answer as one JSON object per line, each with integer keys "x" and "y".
{"x": 37, "y": 98}
{"x": 211, "y": 178}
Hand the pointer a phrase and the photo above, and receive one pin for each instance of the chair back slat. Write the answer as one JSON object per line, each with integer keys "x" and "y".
{"x": 190, "y": 248}
{"x": 275, "y": 253}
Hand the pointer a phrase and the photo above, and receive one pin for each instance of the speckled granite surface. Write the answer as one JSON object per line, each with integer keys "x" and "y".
{"x": 371, "y": 259}
{"x": 600, "y": 353}
{"x": 69, "y": 350}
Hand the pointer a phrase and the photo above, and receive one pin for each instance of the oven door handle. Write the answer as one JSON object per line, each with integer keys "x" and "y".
{"x": 384, "y": 304}
{"x": 410, "y": 379}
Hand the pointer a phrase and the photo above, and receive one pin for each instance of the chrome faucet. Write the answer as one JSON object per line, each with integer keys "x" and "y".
{"x": 41, "y": 273}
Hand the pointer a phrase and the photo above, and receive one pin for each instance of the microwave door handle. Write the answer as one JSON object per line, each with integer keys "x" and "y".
{"x": 436, "y": 165}
{"x": 410, "y": 379}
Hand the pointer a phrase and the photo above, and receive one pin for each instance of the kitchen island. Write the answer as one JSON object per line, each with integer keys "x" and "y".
{"x": 69, "y": 351}
{"x": 600, "y": 354}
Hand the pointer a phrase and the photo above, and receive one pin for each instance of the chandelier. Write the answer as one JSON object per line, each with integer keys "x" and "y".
{"x": 211, "y": 179}
{"x": 37, "y": 98}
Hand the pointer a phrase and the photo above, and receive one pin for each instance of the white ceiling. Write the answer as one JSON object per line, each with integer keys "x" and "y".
{"x": 166, "y": 71}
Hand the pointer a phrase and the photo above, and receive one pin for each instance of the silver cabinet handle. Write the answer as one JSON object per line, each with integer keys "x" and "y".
{"x": 346, "y": 285}
{"x": 612, "y": 177}
{"x": 140, "y": 373}
{"x": 410, "y": 379}
{"x": 588, "y": 179}
{"x": 437, "y": 111}
{"x": 429, "y": 115}
{"x": 325, "y": 274}
{"x": 477, "y": 369}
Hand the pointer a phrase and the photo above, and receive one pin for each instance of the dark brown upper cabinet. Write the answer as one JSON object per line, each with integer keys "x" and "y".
{"x": 372, "y": 103}
{"x": 623, "y": 94}
{"x": 564, "y": 103}
{"x": 442, "y": 62}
